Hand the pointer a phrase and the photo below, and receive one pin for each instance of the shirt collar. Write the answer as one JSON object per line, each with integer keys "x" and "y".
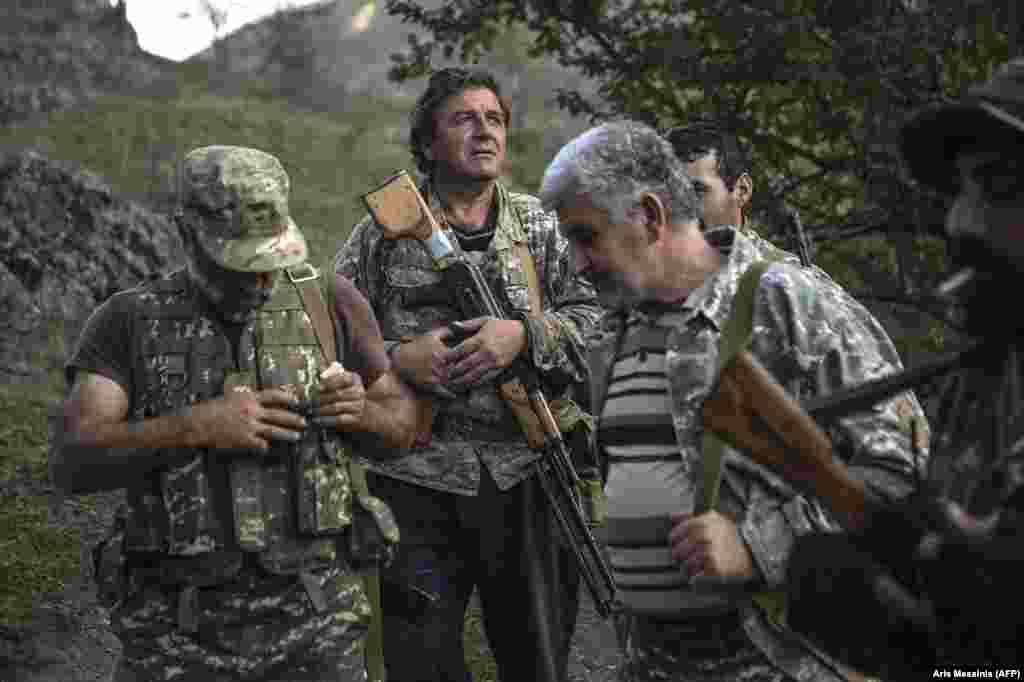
{"x": 507, "y": 228}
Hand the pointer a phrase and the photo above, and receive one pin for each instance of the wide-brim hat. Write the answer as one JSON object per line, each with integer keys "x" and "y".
{"x": 240, "y": 196}
{"x": 990, "y": 113}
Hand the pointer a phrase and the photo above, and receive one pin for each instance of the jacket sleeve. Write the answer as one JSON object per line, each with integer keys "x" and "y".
{"x": 356, "y": 262}
{"x": 816, "y": 339}
{"x": 570, "y": 303}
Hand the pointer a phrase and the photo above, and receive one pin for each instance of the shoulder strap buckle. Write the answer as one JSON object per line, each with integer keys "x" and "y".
{"x": 304, "y": 272}
{"x": 315, "y": 306}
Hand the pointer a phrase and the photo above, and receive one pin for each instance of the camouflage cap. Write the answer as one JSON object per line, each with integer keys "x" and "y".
{"x": 256, "y": 233}
{"x": 991, "y": 113}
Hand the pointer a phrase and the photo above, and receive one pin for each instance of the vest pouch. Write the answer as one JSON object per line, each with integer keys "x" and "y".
{"x": 374, "y": 531}
{"x": 285, "y": 552}
{"x": 323, "y": 496}
{"x": 246, "y": 476}
{"x": 188, "y": 500}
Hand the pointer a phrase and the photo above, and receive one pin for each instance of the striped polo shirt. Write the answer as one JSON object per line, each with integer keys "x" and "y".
{"x": 645, "y": 481}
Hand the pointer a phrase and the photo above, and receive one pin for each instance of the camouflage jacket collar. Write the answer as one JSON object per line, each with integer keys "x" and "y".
{"x": 713, "y": 299}
{"x": 508, "y": 229}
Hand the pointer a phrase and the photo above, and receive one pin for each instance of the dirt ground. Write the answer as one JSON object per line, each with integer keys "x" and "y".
{"x": 69, "y": 639}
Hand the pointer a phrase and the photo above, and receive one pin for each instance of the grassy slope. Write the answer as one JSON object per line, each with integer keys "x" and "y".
{"x": 132, "y": 142}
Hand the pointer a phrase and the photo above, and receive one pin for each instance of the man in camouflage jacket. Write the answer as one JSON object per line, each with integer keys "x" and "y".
{"x": 631, "y": 216}
{"x": 206, "y": 395}
{"x": 471, "y": 512}
{"x": 959, "y": 569}
{"x": 719, "y": 165}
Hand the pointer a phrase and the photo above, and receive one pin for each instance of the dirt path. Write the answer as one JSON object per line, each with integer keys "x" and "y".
{"x": 595, "y": 653}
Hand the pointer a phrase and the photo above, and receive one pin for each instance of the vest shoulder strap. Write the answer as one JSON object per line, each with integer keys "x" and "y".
{"x": 306, "y": 280}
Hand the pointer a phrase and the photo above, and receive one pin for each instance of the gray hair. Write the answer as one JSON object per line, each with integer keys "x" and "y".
{"x": 613, "y": 165}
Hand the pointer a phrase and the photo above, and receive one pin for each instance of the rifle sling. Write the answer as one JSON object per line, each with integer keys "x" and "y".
{"x": 513, "y": 392}
{"x": 734, "y": 338}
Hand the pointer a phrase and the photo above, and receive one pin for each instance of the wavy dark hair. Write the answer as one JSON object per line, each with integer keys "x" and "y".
{"x": 694, "y": 141}
{"x": 442, "y": 85}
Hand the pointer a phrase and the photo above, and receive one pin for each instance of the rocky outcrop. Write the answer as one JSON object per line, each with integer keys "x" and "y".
{"x": 67, "y": 242}
{"x": 60, "y": 54}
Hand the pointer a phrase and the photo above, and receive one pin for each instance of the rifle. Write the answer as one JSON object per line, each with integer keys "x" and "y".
{"x": 401, "y": 212}
{"x": 753, "y": 413}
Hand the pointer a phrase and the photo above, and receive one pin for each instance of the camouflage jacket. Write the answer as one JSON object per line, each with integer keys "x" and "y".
{"x": 409, "y": 298}
{"x": 814, "y": 339}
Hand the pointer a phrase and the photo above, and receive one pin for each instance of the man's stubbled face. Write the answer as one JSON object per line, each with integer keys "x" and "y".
{"x": 236, "y": 296}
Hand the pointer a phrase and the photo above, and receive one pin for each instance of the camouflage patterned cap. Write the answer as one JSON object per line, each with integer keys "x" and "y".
{"x": 990, "y": 113}
{"x": 257, "y": 233}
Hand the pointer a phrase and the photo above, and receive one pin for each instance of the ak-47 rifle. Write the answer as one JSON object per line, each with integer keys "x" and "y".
{"x": 401, "y": 212}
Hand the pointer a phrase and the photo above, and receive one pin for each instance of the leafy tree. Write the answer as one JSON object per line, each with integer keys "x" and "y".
{"x": 817, "y": 88}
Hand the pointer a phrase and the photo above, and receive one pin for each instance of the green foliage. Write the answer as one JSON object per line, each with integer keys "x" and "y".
{"x": 35, "y": 557}
{"x": 845, "y": 261}
{"x": 23, "y": 411}
{"x": 933, "y": 341}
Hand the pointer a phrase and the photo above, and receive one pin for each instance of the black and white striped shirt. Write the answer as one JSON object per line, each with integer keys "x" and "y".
{"x": 645, "y": 483}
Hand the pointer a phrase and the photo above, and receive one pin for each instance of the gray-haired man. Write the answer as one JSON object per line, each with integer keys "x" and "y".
{"x": 631, "y": 216}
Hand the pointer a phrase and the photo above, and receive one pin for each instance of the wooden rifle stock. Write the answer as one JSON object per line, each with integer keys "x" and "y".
{"x": 750, "y": 411}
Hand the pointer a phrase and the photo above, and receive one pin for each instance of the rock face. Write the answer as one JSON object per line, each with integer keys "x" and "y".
{"x": 66, "y": 244}
{"x": 60, "y": 54}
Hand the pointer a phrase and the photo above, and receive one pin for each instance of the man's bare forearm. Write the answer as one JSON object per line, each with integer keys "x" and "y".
{"x": 388, "y": 420}
{"x": 106, "y": 456}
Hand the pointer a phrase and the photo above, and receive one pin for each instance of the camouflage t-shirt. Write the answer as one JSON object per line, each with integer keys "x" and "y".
{"x": 253, "y": 623}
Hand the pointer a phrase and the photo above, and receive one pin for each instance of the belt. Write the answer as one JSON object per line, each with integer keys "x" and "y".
{"x": 209, "y": 568}
{"x": 185, "y": 576}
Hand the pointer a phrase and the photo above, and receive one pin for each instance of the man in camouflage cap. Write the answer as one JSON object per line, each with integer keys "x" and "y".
{"x": 208, "y": 395}
{"x": 261, "y": 235}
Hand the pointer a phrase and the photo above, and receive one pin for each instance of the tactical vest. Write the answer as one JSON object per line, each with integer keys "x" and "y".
{"x": 287, "y": 506}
